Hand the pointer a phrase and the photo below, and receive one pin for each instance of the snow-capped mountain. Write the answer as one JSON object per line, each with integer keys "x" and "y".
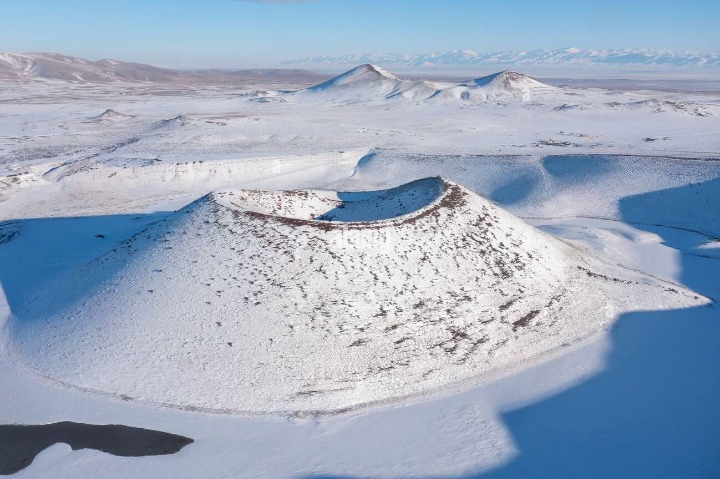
{"x": 564, "y": 56}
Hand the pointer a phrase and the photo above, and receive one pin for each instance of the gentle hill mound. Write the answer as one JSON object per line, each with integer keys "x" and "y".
{"x": 501, "y": 86}
{"x": 109, "y": 115}
{"x": 318, "y": 301}
{"x": 509, "y": 81}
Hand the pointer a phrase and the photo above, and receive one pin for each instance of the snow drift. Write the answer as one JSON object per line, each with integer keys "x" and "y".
{"x": 259, "y": 301}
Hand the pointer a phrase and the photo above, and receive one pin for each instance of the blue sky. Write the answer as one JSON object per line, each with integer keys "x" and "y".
{"x": 237, "y": 33}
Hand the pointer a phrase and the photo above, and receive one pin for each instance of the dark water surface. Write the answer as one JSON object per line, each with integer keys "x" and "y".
{"x": 19, "y": 444}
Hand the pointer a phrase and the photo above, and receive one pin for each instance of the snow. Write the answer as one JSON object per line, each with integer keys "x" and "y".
{"x": 342, "y": 307}
{"x": 630, "y": 392}
{"x": 369, "y": 82}
{"x": 363, "y": 73}
{"x": 569, "y": 58}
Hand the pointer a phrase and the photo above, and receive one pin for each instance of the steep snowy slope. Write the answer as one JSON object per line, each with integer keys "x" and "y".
{"x": 316, "y": 301}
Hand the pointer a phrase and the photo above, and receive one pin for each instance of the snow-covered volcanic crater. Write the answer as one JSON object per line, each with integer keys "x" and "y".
{"x": 287, "y": 301}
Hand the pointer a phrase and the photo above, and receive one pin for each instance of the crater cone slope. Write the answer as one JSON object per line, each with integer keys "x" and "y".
{"x": 259, "y": 301}
{"x": 370, "y": 82}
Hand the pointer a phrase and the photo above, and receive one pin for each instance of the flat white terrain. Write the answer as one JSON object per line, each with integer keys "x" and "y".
{"x": 372, "y": 277}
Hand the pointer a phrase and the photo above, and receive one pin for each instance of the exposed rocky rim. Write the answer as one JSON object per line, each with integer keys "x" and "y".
{"x": 449, "y": 195}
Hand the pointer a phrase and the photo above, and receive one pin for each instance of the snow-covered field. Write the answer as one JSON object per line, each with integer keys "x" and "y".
{"x": 208, "y": 262}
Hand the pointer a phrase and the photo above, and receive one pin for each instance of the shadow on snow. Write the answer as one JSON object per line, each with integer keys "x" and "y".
{"x": 653, "y": 412}
{"x": 34, "y": 253}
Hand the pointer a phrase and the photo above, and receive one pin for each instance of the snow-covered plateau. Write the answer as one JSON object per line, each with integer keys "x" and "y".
{"x": 369, "y": 277}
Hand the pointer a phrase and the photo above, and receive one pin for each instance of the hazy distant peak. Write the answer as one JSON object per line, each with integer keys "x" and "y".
{"x": 568, "y": 56}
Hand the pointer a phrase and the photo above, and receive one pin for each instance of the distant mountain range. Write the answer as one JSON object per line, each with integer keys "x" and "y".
{"x": 54, "y": 66}
{"x": 561, "y": 57}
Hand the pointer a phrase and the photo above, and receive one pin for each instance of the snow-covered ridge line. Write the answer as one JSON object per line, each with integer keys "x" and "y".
{"x": 563, "y": 56}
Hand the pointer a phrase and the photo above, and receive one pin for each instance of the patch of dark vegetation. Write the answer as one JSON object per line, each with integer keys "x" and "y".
{"x": 8, "y": 231}
{"x": 606, "y": 278}
{"x": 309, "y": 393}
{"x": 553, "y": 142}
{"x": 525, "y": 320}
{"x": 461, "y": 343}
{"x": 505, "y": 306}
{"x": 19, "y": 444}
{"x": 313, "y": 392}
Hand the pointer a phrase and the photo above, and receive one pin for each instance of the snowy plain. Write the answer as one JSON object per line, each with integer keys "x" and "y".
{"x": 630, "y": 178}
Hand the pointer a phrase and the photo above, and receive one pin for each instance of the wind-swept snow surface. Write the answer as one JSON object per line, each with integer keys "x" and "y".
{"x": 311, "y": 301}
